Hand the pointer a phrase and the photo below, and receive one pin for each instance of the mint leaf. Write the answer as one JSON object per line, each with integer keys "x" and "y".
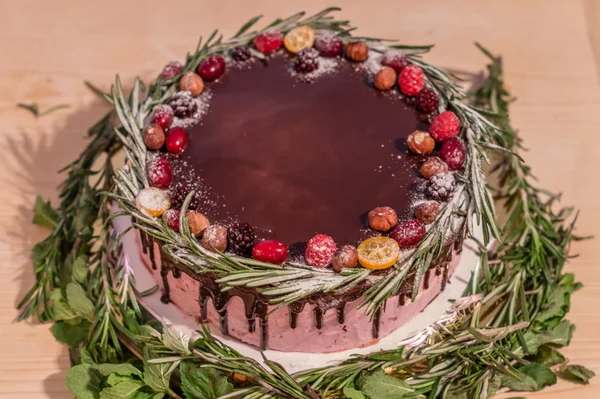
{"x": 381, "y": 385}
{"x": 125, "y": 369}
{"x": 79, "y": 301}
{"x": 353, "y": 393}
{"x": 203, "y": 383}
{"x": 84, "y": 382}
{"x": 80, "y": 269}
{"x": 532, "y": 377}
{"x": 175, "y": 340}
{"x": 60, "y": 307}
{"x": 122, "y": 390}
{"x": 559, "y": 335}
{"x": 86, "y": 357}
{"x": 559, "y": 301}
{"x": 157, "y": 376}
{"x": 547, "y": 355}
{"x": 577, "y": 374}
{"x": 44, "y": 215}
{"x": 69, "y": 333}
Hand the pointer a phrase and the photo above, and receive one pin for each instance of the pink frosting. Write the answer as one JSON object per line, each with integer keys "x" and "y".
{"x": 355, "y": 332}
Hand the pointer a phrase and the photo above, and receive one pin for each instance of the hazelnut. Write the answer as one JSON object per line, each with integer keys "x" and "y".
{"x": 385, "y": 78}
{"x": 197, "y": 222}
{"x": 154, "y": 136}
{"x": 345, "y": 258}
{"x": 357, "y": 51}
{"x": 433, "y": 166}
{"x": 191, "y": 82}
{"x": 426, "y": 212}
{"x": 382, "y": 218}
{"x": 215, "y": 238}
{"x": 420, "y": 142}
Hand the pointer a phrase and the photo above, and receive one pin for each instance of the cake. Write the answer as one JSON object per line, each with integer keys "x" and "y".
{"x": 314, "y": 153}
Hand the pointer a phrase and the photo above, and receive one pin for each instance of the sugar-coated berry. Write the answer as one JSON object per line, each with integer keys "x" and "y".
{"x": 268, "y": 42}
{"x": 270, "y": 251}
{"x": 171, "y": 217}
{"x": 172, "y": 69}
{"x": 408, "y": 233}
{"x": 395, "y": 60}
{"x": 453, "y": 152}
{"x": 241, "y": 53}
{"x": 176, "y": 140}
{"x": 241, "y": 237}
{"x": 212, "y": 68}
{"x": 329, "y": 45}
{"x": 444, "y": 125}
{"x": 427, "y": 100}
{"x": 307, "y": 60}
{"x": 183, "y": 104}
{"x": 320, "y": 251}
{"x": 411, "y": 80}
{"x": 160, "y": 173}
{"x": 154, "y": 136}
{"x": 163, "y": 116}
{"x": 441, "y": 187}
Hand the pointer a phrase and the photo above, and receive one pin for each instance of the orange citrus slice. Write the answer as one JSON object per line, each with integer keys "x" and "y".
{"x": 153, "y": 201}
{"x": 299, "y": 38}
{"x": 378, "y": 253}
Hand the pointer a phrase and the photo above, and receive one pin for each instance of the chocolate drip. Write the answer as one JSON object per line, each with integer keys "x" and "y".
{"x": 176, "y": 272}
{"x": 144, "y": 241}
{"x": 401, "y": 299}
{"x": 445, "y": 276}
{"x": 295, "y": 309}
{"x": 426, "y": 279}
{"x": 261, "y": 311}
{"x": 340, "y": 312}
{"x": 166, "y": 297}
{"x": 151, "y": 253}
{"x": 250, "y": 307}
{"x": 376, "y": 319}
{"x": 319, "y": 317}
{"x": 221, "y": 308}
{"x": 203, "y": 300}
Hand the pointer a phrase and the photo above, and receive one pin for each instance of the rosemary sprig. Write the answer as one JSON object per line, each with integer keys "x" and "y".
{"x": 35, "y": 109}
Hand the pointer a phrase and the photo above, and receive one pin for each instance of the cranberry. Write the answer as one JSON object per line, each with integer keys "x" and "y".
{"x": 212, "y": 68}
{"x": 172, "y": 69}
{"x": 163, "y": 116}
{"x": 268, "y": 42}
{"x": 453, "y": 152}
{"x": 176, "y": 140}
{"x": 395, "y": 60}
{"x": 160, "y": 173}
{"x": 270, "y": 251}
{"x": 171, "y": 216}
{"x": 408, "y": 233}
{"x": 329, "y": 45}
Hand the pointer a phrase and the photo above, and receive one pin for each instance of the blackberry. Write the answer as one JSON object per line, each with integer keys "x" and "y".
{"x": 427, "y": 101}
{"x": 241, "y": 53}
{"x": 441, "y": 186}
{"x": 307, "y": 60}
{"x": 240, "y": 237}
{"x": 183, "y": 104}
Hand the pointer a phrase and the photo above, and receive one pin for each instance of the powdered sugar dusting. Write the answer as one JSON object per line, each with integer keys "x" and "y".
{"x": 203, "y": 103}
{"x": 326, "y": 66}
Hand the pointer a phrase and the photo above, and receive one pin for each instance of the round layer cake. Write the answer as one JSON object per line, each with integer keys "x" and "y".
{"x": 314, "y": 156}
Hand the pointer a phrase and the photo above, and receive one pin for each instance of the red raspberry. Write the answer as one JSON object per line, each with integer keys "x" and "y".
{"x": 270, "y": 251}
{"x": 173, "y": 68}
{"x": 160, "y": 173}
{"x": 408, "y": 233}
{"x": 171, "y": 216}
{"x": 411, "y": 80}
{"x": 176, "y": 140}
{"x": 268, "y": 42}
{"x": 395, "y": 60}
{"x": 444, "y": 125}
{"x": 427, "y": 101}
{"x": 212, "y": 68}
{"x": 320, "y": 251}
{"x": 453, "y": 152}
{"x": 329, "y": 45}
{"x": 163, "y": 116}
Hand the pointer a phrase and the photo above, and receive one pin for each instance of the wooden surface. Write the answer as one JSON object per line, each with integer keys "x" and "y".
{"x": 47, "y": 49}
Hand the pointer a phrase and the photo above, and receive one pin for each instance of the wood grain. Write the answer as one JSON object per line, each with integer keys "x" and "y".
{"x": 551, "y": 51}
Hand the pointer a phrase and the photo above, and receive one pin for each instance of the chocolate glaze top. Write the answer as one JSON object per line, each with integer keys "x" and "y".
{"x": 294, "y": 158}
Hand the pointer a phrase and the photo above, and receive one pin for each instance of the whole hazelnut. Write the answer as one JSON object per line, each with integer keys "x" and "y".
{"x": 197, "y": 222}
{"x": 426, "y": 212}
{"x": 432, "y": 166}
{"x": 382, "y": 218}
{"x": 357, "y": 51}
{"x": 345, "y": 258}
{"x": 420, "y": 142}
{"x": 215, "y": 238}
{"x": 191, "y": 82}
{"x": 385, "y": 78}
{"x": 154, "y": 136}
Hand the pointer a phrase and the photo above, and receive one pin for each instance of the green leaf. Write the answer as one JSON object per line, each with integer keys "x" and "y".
{"x": 157, "y": 376}
{"x": 494, "y": 384}
{"x": 381, "y": 385}
{"x": 547, "y": 355}
{"x": 560, "y": 335}
{"x": 69, "y": 333}
{"x": 115, "y": 379}
{"x": 122, "y": 390}
{"x": 175, "y": 340}
{"x": 353, "y": 393}
{"x": 146, "y": 395}
{"x": 60, "y": 307}
{"x": 558, "y": 302}
{"x": 84, "y": 382}
{"x": 86, "y": 357}
{"x": 81, "y": 268}
{"x": 79, "y": 301}
{"x": 577, "y": 374}
{"x": 532, "y": 377}
{"x": 203, "y": 383}
{"x": 126, "y": 369}
{"x": 44, "y": 215}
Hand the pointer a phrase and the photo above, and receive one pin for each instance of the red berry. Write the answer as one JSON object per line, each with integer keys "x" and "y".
{"x": 329, "y": 45}
{"x": 427, "y": 101}
{"x": 212, "y": 68}
{"x": 444, "y": 125}
{"x": 173, "y": 68}
{"x": 395, "y": 60}
{"x": 320, "y": 251}
{"x": 453, "y": 152}
{"x": 268, "y": 42}
{"x": 270, "y": 251}
{"x": 163, "y": 116}
{"x": 160, "y": 173}
{"x": 408, "y": 233}
{"x": 176, "y": 140}
{"x": 171, "y": 216}
{"x": 411, "y": 80}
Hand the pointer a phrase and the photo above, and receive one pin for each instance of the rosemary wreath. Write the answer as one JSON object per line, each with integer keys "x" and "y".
{"x": 504, "y": 333}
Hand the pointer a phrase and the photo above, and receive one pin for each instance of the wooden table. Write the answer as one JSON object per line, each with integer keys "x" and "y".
{"x": 47, "y": 49}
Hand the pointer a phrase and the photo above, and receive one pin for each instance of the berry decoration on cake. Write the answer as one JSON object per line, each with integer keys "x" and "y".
{"x": 176, "y": 140}
{"x": 241, "y": 53}
{"x": 444, "y": 125}
{"x": 241, "y": 237}
{"x": 307, "y": 60}
{"x": 212, "y": 68}
{"x": 171, "y": 217}
{"x": 329, "y": 45}
{"x": 183, "y": 104}
{"x": 320, "y": 251}
{"x": 396, "y": 61}
{"x": 171, "y": 70}
{"x": 453, "y": 152}
{"x": 441, "y": 186}
{"x": 160, "y": 173}
{"x": 270, "y": 251}
{"x": 408, "y": 233}
{"x": 427, "y": 101}
{"x": 411, "y": 80}
{"x": 268, "y": 42}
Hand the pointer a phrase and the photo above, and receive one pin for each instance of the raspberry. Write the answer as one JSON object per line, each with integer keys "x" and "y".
{"x": 270, "y": 251}
{"x": 329, "y": 45}
{"x": 307, "y": 60}
{"x": 320, "y": 251}
{"x": 241, "y": 238}
{"x": 171, "y": 217}
{"x": 408, "y": 233}
{"x": 172, "y": 69}
{"x": 395, "y": 60}
{"x": 441, "y": 186}
{"x": 444, "y": 125}
{"x": 212, "y": 68}
{"x": 427, "y": 101}
{"x": 411, "y": 80}
{"x": 183, "y": 104}
{"x": 268, "y": 42}
{"x": 241, "y": 53}
{"x": 160, "y": 173}
{"x": 453, "y": 152}
{"x": 163, "y": 116}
